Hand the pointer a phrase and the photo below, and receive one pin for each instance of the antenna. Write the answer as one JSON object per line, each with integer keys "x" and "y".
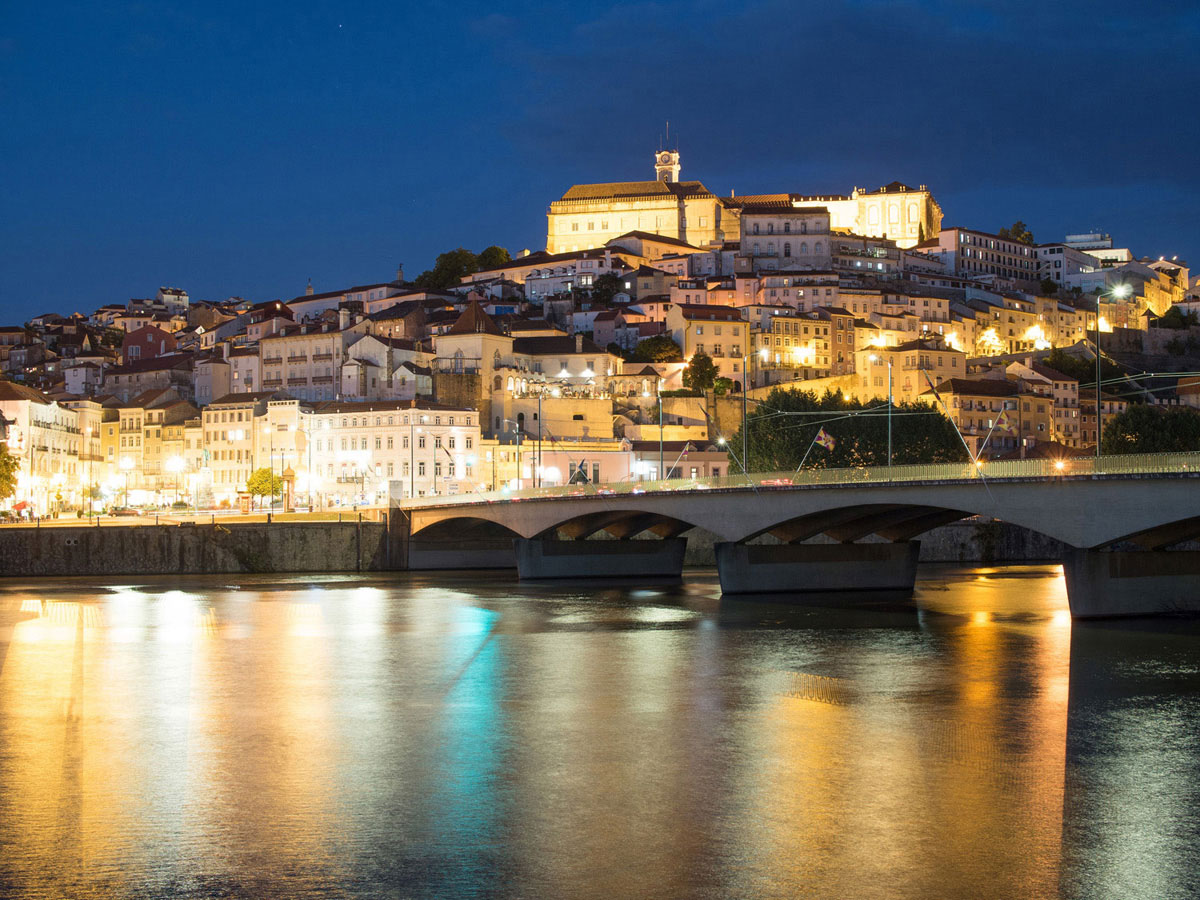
{"x": 668, "y": 134}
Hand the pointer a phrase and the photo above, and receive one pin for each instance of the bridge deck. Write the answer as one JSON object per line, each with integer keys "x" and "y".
{"x": 1139, "y": 466}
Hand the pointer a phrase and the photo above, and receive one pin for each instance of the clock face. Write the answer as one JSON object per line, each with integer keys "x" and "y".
{"x": 664, "y": 158}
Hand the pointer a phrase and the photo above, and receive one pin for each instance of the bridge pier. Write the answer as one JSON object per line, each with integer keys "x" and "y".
{"x": 549, "y": 558}
{"x": 791, "y": 568}
{"x": 1132, "y": 583}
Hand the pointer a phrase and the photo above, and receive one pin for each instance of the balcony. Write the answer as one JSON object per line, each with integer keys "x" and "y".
{"x": 272, "y": 361}
{"x": 296, "y": 360}
{"x": 321, "y": 357}
{"x": 322, "y": 379}
{"x": 272, "y": 382}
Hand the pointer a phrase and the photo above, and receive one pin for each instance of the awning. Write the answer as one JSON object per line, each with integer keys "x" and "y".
{"x": 17, "y": 507}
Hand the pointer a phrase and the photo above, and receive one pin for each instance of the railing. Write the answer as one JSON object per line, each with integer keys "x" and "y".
{"x": 1022, "y": 469}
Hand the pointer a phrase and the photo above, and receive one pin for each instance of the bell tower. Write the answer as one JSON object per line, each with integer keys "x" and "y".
{"x": 666, "y": 165}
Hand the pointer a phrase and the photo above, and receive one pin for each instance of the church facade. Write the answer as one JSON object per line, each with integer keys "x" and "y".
{"x": 589, "y": 215}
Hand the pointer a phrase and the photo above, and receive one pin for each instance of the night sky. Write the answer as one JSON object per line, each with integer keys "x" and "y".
{"x": 241, "y": 148}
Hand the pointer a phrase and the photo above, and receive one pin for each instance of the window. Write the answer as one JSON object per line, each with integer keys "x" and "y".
{"x": 421, "y": 442}
{"x": 421, "y": 469}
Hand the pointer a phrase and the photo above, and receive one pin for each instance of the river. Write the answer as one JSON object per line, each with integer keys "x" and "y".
{"x": 463, "y": 735}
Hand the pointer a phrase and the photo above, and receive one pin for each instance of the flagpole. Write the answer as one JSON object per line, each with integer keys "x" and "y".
{"x": 946, "y": 410}
{"x": 808, "y": 451}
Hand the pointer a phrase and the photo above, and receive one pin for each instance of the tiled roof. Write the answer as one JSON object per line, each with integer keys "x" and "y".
{"x": 615, "y": 189}
{"x": 474, "y": 320}
{"x": 10, "y": 390}
{"x": 980, "y": 387}
{"x": 556, "y": 346}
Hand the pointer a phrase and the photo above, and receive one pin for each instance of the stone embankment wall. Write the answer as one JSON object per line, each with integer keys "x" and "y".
{"x": 367, "y": 547}
{"x": 195, "y": 549}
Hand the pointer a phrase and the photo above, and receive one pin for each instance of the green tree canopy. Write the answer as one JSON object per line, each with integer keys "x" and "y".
{"x": 263, "y": 482}
{"x": 448, "y": 270}
{"x": 1083, "y": 370}
{"x": 491, "y": 257}
{"x": 659, "y": 348}
{"x": 782, "y": 429}
{"x": 1018, "y": 232}
{"x": 605, "y": 288}
{"x": 701, "y": 372}
{"x": 1177, "y": 319}
{"x": 1153, "y": 429}
{"x": 10, "y": 464}
{"x": 1049, "y": 287}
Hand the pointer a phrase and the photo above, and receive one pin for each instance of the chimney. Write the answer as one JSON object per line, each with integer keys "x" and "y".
{"x": 343, "y": 319}
{"x": 578, "y": 343}
{"x": 308, "y": 290}
{"x": 400, "y": 272}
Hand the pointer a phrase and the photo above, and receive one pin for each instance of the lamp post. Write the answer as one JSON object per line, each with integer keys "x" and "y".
{"x": 88, "y": 444}
{"x": 1120, "y": 292}
{"x": 517, "y": 429}
{"x": 175, "y": 464}
{"x": 126, "y": 465}
{"x": 875, "y": 359}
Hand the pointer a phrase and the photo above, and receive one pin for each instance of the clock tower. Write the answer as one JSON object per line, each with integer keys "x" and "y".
{"x": 666, "y": 165}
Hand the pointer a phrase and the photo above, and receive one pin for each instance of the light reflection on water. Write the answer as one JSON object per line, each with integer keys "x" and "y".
{"x": 463, "y": 735}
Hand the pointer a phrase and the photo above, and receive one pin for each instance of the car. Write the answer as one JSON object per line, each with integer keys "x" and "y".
{"x": 126, "y": 511}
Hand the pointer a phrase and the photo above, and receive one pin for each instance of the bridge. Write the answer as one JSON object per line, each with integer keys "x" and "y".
{"x": 841, "y": 529}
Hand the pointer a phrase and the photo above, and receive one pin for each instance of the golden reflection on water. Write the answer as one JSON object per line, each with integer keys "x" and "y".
{"x": 356, "y": 739}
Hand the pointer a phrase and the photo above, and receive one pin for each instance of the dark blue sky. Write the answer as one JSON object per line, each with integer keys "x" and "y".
{"x": 240, "y": 148}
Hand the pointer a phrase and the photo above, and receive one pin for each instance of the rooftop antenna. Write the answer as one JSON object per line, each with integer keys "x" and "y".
{"x": 668, "y": 134}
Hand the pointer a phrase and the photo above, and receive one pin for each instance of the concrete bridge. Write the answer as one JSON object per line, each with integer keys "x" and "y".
{"x": 844, "y": 529}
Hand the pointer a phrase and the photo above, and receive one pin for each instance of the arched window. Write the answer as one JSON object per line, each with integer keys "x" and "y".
{"x": 496, "y": 360}
{"x": 787, "y": 248}
{"x": 771, "y": 249}
{"x": 510, "y": 383}
{"x": 817, "y": 248}
{"x": 496, "y": 382}
{"x": 873, "y": 215}
{"x": 894, "y": 214}
{"x": 458, "y": 361}
{"x": 804, "y": 248}
{"x": 914, "y": 213}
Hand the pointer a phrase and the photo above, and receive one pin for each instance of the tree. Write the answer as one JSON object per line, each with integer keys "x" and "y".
{"x": 1177, "y": 319}
{"x": 920, "y": 433}
{"x": 722, "y": 385}
{"x": 701, "y": 372}
{"x": 1018, "y": 232}
{"x": 1083, "y": 370}
{"x": 491, "y": 257}
{"x": 1049, "y": 287}
{"x": 10, "y": 464}
{"x": 448, "y": 270}
{"x": 263, "y": 482}
{"x": 1153, "y": 429}
{"x": 659, "y": 348}
{"x": 605, "y": 288}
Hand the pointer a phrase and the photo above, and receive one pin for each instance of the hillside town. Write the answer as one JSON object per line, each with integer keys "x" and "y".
{"x": 627, "y": 349}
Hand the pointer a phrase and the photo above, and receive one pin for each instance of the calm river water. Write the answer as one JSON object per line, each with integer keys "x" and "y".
{"x": 467, "y": 736}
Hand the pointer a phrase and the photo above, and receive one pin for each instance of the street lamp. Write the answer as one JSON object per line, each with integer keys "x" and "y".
{"x": 126, "y": 465}
{"x": 1119, "y": 292}
{"x": 875, "y": 359}
{"x": 517, "y": 428}
{"x": 176, "y": 464}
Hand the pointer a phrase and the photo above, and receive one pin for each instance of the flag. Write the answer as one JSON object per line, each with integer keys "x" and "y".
{"x": 825, "y": 439}
{"x": 1005, "y": 425}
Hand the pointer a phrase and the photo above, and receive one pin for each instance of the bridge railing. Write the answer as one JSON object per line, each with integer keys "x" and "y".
{"x": 1105, "y": 466}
